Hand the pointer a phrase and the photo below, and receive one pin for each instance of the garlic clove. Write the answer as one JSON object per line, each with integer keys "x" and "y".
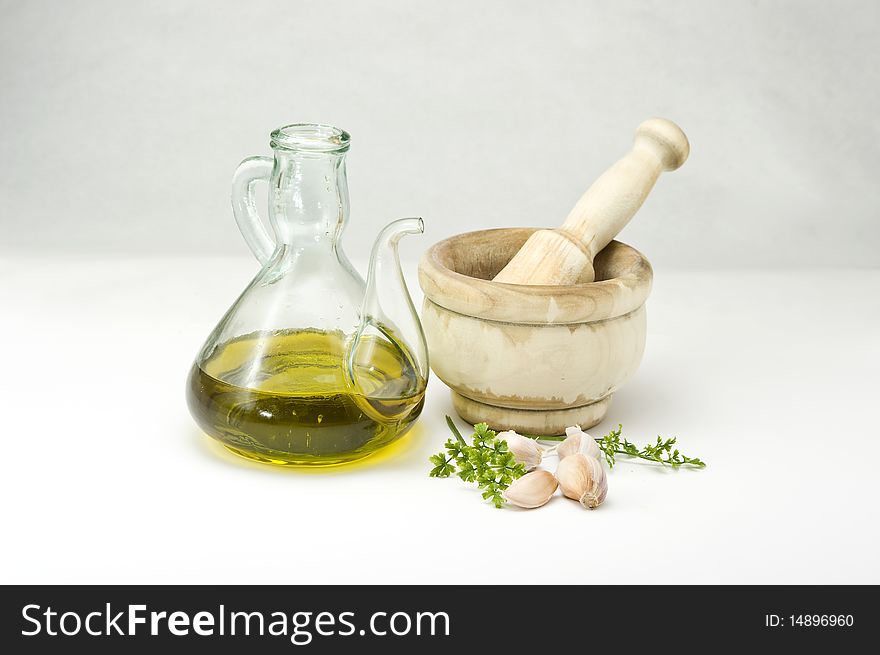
{"x": 573, "y": 429}
{"x": 570, "y": 445}
{"x": 531, "y": 490}
{"x": 589, "y": 447}
{"x": 578, "y": 441}
{"x": 525, "y": 450}
{"x": 583, "y": 479}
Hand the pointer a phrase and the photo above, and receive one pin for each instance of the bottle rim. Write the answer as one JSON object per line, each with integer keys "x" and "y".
{"x": 310, "y": 137}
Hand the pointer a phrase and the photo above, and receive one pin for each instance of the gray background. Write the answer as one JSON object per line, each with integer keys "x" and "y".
{"x": 121, "y": 123}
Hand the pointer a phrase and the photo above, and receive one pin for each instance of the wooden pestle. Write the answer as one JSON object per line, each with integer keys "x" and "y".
{"x": 565, "y": 255}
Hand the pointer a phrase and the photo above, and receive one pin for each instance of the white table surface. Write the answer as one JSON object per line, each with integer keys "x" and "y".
{"x": 771, "y": 377}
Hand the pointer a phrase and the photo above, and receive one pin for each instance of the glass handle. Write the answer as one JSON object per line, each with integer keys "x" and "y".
{"x": 251, "y": 170}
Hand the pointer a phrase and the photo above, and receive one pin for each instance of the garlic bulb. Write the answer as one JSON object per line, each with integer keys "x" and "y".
{"x": 583, "y": 479}
{"x": 578, "y": 441}
{"x": 525, "y": 450}
{"x": 531, "y": 490}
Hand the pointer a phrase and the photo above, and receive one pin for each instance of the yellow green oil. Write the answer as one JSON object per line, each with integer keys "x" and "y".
{"x": 285, "y": 398}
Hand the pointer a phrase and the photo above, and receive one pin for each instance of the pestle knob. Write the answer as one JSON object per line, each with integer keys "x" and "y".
{"x": 565, "y": 255}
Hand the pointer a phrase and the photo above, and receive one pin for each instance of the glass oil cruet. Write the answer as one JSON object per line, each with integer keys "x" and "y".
{"x": 311, "y": 365}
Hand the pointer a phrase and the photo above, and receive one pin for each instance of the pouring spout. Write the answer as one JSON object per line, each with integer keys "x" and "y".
{"x": 386, "y": 300}
{"x": 385, "y": 277}
{"x": 387, "y": 315}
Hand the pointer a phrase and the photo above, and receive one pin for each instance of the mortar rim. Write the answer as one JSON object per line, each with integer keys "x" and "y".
{"x": 535, "y": 304}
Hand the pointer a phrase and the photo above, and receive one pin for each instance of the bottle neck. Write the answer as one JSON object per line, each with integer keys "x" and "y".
{"x": 309, "y": 198}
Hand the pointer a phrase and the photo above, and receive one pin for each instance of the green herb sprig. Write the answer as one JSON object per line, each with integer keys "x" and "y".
{"x": 488, "y": 462}
{"x": 662, "y": 451}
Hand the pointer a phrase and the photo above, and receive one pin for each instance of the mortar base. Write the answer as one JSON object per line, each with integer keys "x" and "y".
{"x": 530, "y": 421}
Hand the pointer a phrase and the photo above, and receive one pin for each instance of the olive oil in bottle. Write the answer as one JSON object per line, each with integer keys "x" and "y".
{"x": 283, "y": 397}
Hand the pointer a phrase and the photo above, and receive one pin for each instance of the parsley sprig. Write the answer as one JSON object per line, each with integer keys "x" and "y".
{"x": 488, "y": 462}
{"x": 662, "y": 451}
